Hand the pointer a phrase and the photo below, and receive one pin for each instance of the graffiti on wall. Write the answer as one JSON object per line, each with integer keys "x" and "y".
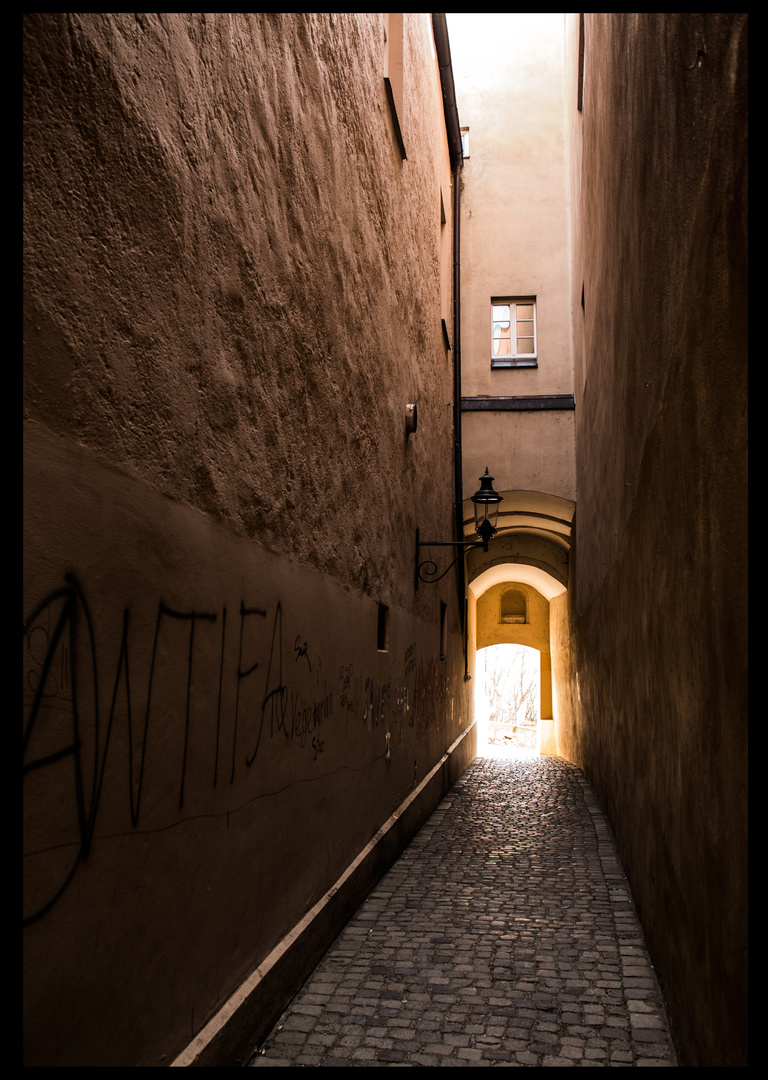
{"x": 433, "y": 694}
{"x": 97, "y": 723}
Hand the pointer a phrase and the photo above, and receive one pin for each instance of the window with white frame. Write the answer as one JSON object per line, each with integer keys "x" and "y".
{"x": 513, "y": 332}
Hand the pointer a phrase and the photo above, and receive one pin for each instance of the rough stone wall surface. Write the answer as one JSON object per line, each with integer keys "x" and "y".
{"x": 650, "y": 661}
{"x": 232, "y": 290}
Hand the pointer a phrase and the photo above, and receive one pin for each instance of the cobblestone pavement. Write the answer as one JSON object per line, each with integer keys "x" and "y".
{"x": 504, "y": 935}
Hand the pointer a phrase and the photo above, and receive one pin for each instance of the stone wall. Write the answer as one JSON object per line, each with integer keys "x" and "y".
{"x": 233, "y": 288}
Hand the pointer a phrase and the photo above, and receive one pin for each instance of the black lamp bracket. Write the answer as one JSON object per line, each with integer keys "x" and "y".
{"x": 427, "y": 569}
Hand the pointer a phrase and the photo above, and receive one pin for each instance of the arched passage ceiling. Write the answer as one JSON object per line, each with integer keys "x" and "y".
{"x": 534, "y": 534}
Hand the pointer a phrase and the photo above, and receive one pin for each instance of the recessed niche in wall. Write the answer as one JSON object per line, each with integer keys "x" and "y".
{"x": 514, "y": 606}
{"x": 382, "y": 629}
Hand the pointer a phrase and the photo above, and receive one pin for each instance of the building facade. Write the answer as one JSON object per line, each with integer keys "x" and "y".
{"x": 653, "y": 683}
{"x": 238, "y": 250}
{"x": 604, "y": 380}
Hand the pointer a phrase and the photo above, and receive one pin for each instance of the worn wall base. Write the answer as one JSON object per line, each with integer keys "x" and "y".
{"x": 233, "y": 1034}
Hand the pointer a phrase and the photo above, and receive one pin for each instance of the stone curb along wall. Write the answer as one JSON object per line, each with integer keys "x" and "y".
{"x": 232, "y": 289}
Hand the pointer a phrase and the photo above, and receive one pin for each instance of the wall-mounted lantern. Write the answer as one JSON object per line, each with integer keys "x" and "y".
{"x": 486, "y": 502}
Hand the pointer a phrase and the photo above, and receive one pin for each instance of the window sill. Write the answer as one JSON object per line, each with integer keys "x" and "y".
{"x": 528, "y": 363}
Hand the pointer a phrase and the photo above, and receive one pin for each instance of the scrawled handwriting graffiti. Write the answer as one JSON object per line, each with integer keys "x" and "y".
{"x": 370, "y": 701}
{"x": 346, "y": 695}
{"x": 310, "y": 718}
{"x": 52, "y": 678}
{"x": 276, "y": 698}
{"x": 374, "y": 701}
{"x": 400, "y": 701}
{"x": 430, "y": 694}
{"x": 70, "y": 738}
{"x": 301, "y": 650}
{"x": 287, "y": 713}
{"x": 410, "y": 659}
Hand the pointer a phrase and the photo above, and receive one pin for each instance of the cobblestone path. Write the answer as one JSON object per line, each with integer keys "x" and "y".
{"x": 504, "y": 935}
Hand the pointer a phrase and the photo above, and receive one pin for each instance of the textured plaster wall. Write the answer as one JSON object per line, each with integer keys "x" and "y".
{"x": 528, "y": 451}
{"x": 232, "y": 289}
{"x": 650, "y": 642}
{"x": 223, "y": 238}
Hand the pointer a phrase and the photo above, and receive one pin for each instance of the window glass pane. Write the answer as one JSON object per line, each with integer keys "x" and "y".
{"x": 502, "y": 343}
{"x": 524, "y": 329}
{"x": 501, "y": 330}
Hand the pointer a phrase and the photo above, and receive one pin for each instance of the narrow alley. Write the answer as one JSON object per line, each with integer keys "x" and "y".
{"x": 504, "y": 935}
{"x": 357, "y": 345}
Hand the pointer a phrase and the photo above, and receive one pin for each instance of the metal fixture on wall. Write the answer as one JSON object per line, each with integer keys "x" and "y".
{"x": 486, "y": 502}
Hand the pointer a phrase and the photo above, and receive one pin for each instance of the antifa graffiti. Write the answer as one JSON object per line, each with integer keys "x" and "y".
{"x": 67, "y": 717}
{"x": 71, "y": 717}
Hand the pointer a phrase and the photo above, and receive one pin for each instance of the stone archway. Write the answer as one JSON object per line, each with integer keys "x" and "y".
{"x": 527, "y": 562}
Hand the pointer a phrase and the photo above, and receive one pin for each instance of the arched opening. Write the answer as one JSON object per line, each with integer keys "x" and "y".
{"x": 512, "y": 586}
{"x": 507, "y": 700}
